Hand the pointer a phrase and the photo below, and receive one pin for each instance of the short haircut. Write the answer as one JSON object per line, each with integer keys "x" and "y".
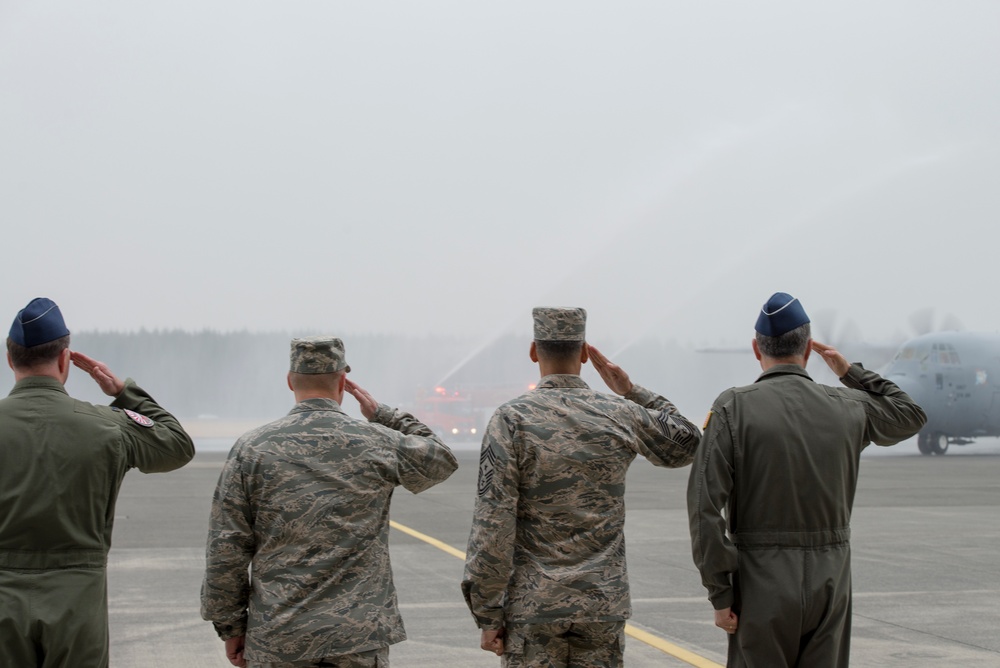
{"x": 322, "y": 382}
{"x": 559, "y": 351}
{"x": 23, "y": 357}
{"x": 789, "y": 344}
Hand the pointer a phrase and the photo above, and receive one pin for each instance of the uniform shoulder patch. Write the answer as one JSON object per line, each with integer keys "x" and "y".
{"x": 138, "y": 418}
{"x": 487, "y": 469}
{"x": 707, "y": 419}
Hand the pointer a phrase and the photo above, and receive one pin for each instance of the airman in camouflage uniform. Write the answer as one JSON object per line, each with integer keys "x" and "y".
{"x": 545, "y": 575}
{"x": 304, "y": 502}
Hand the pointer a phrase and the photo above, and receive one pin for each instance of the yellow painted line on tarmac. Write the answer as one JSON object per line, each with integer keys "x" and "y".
{"x": 444, "y": 547}
{"x": 642, "y": 636}
{"x": 670, "y": 648}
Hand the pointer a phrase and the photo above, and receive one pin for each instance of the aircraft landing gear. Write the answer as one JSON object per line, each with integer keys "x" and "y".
{"x": 924, "y": 443}
{"x": 939, "y": 443}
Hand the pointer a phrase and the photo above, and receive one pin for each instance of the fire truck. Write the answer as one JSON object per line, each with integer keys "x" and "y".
{"x": 463, "y": 413}
{"x": 447, "y": 413}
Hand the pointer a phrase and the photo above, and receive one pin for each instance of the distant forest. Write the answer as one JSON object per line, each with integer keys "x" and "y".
{"x": 241, "y": 375}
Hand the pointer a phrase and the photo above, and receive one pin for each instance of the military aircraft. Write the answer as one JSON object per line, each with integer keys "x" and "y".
{"x": 955, "y": 377}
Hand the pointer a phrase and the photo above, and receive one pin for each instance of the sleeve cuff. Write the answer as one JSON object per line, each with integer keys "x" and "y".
{"x": 722, "y": 600}
{"x": 227, "y": 631}
{"x": 640, "y": 395}
{"x": 125, "y": 398}
{"x": 488, "y": 623}
{"x": 854, "y": 376}
{"x": 383, "y": 415}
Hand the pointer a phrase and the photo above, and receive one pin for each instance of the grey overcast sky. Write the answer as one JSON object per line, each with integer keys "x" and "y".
{"x": 441, "y": 167}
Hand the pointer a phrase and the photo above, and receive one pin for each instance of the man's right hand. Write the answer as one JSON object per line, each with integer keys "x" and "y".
{"x": 367, "y": 402}
{"x": 837, "y": 362}
{"x": 613, "y": 375}
{"x": 109, "y": 383}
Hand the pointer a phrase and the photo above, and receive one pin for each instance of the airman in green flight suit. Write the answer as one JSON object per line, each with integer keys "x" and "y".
{"x": 62, "y": 462}
{"x": 771, "y": 492}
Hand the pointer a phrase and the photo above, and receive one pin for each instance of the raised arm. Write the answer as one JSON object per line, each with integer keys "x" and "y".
{"x": 892, "y": 415}
{"x": 423, "y": 459}
{"x": 665, "y": 437}
{"x": 155, "y": 441}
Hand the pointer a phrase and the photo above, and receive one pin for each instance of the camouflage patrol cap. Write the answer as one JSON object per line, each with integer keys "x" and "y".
{"x": 318, "y": 354}
{"x": 559, "y": 324}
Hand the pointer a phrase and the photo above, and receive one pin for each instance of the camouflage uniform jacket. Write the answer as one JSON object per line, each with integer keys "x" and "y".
{"x": 547, "y": 539}
{"x": 304, "y": 502}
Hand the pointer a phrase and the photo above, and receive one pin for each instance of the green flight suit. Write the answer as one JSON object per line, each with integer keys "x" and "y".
{"x": 781, "y": 458}
{"x": 61, "y": 465}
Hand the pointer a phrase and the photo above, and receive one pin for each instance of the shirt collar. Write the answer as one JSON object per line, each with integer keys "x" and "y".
{"x": 35, "y": 382}
{"x": 316, "y": 405}
{"x": 784, "y": 370}
{"x": 561, "y": 380}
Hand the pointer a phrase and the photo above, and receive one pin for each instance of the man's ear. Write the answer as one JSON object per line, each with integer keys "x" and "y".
{"x": 288, "y": 379}
{"x": 809, "y": 349}
{"x": 342, "y": 383}
{"x": 65, "y": 361}
{"x": 533, "y": 353}
{"x": 756, "y": 349}
{"x": 584, "y": 353}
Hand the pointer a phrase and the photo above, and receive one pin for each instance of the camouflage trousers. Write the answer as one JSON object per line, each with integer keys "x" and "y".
{"x": 377, "y": 658}
{"x": 564, "y": 645}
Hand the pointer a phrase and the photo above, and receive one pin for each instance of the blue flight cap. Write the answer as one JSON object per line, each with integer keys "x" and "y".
{"x": 781, "y": 314}
{"x": 39, "y": 322}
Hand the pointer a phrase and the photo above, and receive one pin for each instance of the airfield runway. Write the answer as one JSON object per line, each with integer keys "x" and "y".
{"x": 926, "y": 537}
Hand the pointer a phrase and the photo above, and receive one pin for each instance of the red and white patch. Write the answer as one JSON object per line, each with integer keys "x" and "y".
{"x": 140, "y": 420}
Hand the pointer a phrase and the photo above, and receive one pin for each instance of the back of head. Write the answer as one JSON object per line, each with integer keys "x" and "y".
{"x": 559, "y": 333}
{"x": 38, "y": 335}
{"x": 325, "y": 384}
{"x": 782, "y": 328}
{"x": 789, "y": 345}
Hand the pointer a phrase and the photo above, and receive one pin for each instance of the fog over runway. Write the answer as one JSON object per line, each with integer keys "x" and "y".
{"x": 441, "y": 167}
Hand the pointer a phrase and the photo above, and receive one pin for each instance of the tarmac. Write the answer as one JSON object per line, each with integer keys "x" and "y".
{"x": 926, "y": 533}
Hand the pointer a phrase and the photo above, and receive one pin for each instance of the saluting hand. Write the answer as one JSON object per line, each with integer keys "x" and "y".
{"x": 367, "y": 402}
{"x": 837, "y": 362}
{"x": 109, "y": 383}
{"x": 613, "y": 375}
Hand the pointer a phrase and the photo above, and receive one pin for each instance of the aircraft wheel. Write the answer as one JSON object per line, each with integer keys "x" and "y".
{"x": 924, "y": 443}
{"x": 939, "y": 443}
